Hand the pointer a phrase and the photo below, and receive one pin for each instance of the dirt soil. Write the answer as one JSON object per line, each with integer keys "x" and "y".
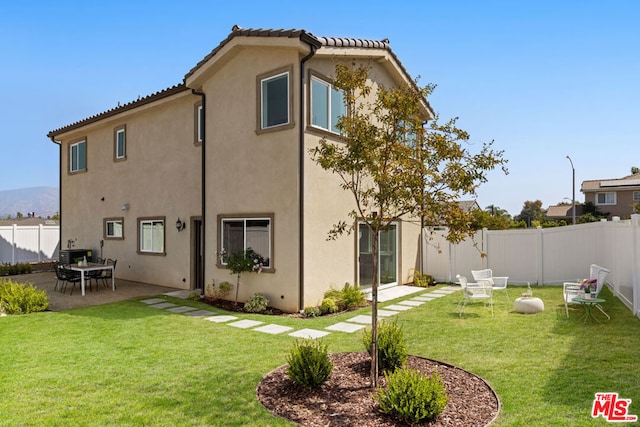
{"x": 346, "y": 399}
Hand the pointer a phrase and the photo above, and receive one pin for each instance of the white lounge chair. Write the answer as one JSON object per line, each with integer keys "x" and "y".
{"x": 474, "y": 292}
{"x": 498, "y": 283}
{"x": 572, "y": 290}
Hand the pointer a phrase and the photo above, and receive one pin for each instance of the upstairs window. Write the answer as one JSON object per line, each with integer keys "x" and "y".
{"x": 606, "y": 198}
{"x": 636, "y": 196}
{"x": 199, "y": 123}
{"x": 120, "y": 143}
{"x": 327, "y": 105}
{"x": 78, "y": 156}
{"x": 274, "y": 100}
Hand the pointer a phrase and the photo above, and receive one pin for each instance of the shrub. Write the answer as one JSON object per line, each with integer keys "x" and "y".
{"x": 392, "y": 351}
{"x": 412, "y": 396}
{"x": 8, "y": 269}
{"x": 220, "y": 292}
{"x": 311, "y": 312}
{"x": 422, "y": 280}
{"x": 329, "y": 306}
{"x": 309, "y": 363}
{"x": 256, "y": 304}
{"x": 18, "y": 298}
{"x": 347, "y": 298}
{"x": 193, "y": 296}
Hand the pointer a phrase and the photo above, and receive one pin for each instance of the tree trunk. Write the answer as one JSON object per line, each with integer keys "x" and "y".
{"x": 374, "y": 311}
{"x": 237, "y": 287}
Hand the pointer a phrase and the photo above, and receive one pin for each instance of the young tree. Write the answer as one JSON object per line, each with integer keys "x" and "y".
{"x": 396, "y": 166}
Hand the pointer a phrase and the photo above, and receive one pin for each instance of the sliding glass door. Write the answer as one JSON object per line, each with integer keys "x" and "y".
{"x": 387, "y": 257}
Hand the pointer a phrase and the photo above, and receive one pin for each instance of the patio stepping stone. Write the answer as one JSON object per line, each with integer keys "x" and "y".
{"x": 398, "y": 307}
{"x": 412, "y": 303}
{"x": 386, "y": 313}
{"x": 245, "y": 324}
{"x": 273, "y": 329}
{"x": 426, "y": 298}
{"x": 360, "y": 319}
{"x": 345, "y": 327}
{"x": 163, "y": 305}
{"x": 199, "y": 313}
{"x": 181, "y": 309}
{"x": 221, "y": 319}
{"x": 153, "y": 300}
{"x": 308, "y": 333}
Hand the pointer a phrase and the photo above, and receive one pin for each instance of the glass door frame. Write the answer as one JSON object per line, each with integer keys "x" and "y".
{"x": 359, "y": 256}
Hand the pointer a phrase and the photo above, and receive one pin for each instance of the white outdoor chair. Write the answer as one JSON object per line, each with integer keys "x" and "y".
{"x": 497, "y": 283}
{"x": 474, "y": 292}
{"x": 572, "y": 290}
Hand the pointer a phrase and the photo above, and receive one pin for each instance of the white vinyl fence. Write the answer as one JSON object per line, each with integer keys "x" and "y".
{"x": 547, "y": 256}
{"x": 29, "y": 243}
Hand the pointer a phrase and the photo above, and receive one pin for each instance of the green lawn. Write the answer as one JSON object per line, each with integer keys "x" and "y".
{"x": 128, "y": 364}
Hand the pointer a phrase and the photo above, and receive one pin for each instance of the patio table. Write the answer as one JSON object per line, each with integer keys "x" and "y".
{"x": 93, "y": 266}
{"x": 588, "y": 304}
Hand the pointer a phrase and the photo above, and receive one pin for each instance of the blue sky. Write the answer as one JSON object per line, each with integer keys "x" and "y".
{"x": 543, "y": 79}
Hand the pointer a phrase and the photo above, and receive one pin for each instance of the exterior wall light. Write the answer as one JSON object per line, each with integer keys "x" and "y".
{"x": 180, "y": 225}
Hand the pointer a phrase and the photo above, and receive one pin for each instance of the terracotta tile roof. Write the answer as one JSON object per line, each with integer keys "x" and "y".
{"x": 120, "y": 108}
{"x": 563, "y": 211}
{"x": 29, "y": 221}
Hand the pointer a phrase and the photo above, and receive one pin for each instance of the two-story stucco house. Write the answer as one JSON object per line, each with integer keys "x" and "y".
{"x": 165, "y": 182}
{"x": 616, "y": 197}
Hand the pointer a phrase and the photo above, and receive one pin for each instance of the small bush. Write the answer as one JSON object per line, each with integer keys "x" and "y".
{"x": 256, "y": 304}
{"x": 392, "y": 351}
{"x": 18, "y": 298}
{"x": 311, "y": 312}
{"x": 347, "y": 298}
{"x": 413, "y": 396}
{"x": 214, "y": 293}
{"x": 329, "y": 306}
{"x": 422, "y": 280}
{"x": 309, "y": 363}
{"x": 8, "y": 269}
{"x": 193, "y": 296}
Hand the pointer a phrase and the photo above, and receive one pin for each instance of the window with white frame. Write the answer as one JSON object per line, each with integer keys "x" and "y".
{"x": 636, "y": 196}
{"x": 120, "y": 143}
{"x": 274, "y": 100}
{"x": 114, "y": 228}
{"x": 240, "y": 234}
{"x": 606, "y": 198}
{"x": 78, "y": 156}
{"x": 151, "y": 235}
{"x": 199, "y": 122}
{"x": 327, "y": 105}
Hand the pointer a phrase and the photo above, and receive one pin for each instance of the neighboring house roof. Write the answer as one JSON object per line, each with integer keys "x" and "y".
{"x": 28, "y": 221}
{"x": 468, "y": 205}
{"x": 627, "y": 183}
{"x": 563, "y": 211}
{"x": 237, "y": 31}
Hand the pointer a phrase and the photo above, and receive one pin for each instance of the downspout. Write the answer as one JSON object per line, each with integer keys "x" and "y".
{"x": 301, "y": 156}
{"x": 203, "y": 180}
{"x": 52, "y": 138}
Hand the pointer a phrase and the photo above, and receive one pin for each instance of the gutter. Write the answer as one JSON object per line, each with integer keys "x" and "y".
{"x": 313, "y": 46}
{"x": 203, "y": 180}
{"x": 52, "y": 138}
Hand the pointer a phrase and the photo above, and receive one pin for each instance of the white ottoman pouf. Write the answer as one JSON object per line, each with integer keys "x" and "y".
{"x": 528, "y": 305}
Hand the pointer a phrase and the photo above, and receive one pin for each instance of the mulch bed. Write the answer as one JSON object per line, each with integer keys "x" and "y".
{"x": 346, "y": 399}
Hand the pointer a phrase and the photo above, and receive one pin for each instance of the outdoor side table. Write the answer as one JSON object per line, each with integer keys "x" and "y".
{"x": 588, "y": 304}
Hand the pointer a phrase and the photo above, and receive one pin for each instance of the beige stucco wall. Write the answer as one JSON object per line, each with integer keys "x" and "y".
{"x": 159, "y": 178}
{"x": 250, "y": 173}
{"x": 622, "y": 208}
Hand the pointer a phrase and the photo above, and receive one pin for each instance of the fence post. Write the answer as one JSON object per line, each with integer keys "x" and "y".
{"x": 539, "y": 255}
{"x": 14, "y": 231}
{"x": 635, "y": 286}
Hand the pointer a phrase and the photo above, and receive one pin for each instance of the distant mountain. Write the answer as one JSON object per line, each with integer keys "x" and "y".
{"x": 43, "y": 201}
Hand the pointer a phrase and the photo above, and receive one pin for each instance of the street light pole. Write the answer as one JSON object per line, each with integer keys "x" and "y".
{"x": 573, "y": 200}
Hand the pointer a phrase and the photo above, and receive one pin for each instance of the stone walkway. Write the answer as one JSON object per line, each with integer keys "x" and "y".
{"x": 349, "y": 326}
